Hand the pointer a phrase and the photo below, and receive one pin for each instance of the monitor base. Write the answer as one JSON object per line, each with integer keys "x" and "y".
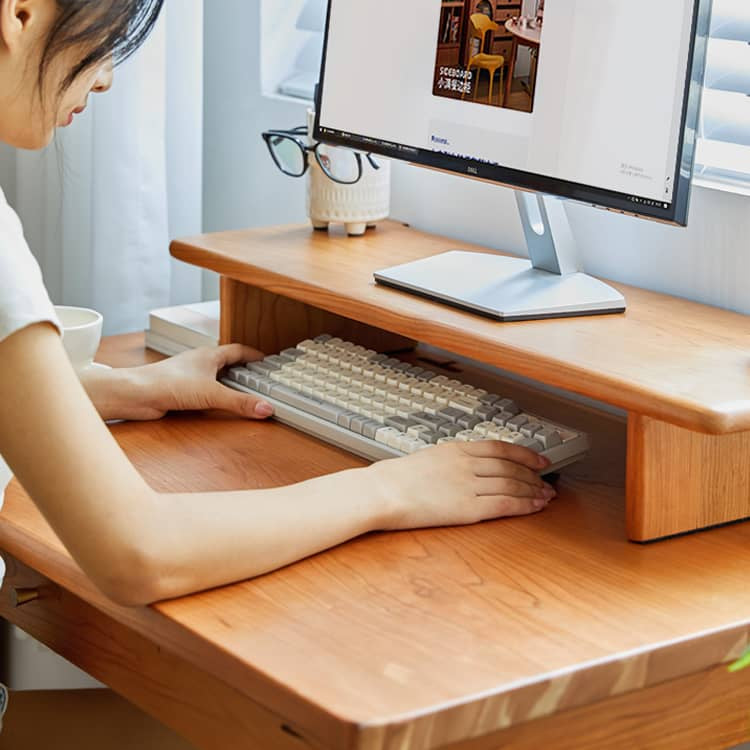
{"x": 503, "y": 288}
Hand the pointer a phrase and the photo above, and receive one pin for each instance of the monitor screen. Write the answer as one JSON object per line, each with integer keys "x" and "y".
{"x": 591, "y": 100}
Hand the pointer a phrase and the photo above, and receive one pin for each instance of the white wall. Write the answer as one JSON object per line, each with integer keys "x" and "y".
{"x": 242, "y": 187}
{"x": 708, "y": 262}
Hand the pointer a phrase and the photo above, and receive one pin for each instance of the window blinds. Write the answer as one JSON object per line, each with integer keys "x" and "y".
{"x": 723, "y": 153}
{"x": 310, "y": 26}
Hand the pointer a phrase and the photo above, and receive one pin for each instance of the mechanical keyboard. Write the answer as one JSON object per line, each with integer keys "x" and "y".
{"x": 378, "y": 407}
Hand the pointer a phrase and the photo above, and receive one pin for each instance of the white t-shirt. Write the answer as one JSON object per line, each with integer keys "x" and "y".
{"x": 23, "y": 298}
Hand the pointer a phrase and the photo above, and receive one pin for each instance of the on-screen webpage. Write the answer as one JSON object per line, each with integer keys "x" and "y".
{"x": 605, "y": 110}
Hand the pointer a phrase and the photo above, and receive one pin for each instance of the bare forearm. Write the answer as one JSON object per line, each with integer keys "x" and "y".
{"x": 212, "y": 539}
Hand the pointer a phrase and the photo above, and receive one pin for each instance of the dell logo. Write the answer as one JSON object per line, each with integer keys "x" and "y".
{"x": 472, "y": 170}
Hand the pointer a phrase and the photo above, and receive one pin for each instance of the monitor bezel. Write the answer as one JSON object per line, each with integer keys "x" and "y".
{"x": 676, "y": 214}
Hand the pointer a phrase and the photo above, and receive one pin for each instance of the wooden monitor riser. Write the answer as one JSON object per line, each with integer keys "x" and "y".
{"x": 680, "y": 369}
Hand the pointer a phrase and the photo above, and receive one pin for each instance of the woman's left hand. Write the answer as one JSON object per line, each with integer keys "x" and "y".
{"x": 184, "y": 382}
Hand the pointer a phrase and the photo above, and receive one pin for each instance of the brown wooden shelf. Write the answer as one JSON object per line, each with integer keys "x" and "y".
{"x": 666, "y": 358}
{"x": 680, "y": 369}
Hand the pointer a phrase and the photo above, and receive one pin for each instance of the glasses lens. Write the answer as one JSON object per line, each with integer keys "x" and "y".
{"x": 288, "y": 154}
{"x": 340, "y": 164}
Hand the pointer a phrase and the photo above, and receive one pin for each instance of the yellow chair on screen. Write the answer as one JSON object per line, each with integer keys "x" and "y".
{"x": 480, "y": 26}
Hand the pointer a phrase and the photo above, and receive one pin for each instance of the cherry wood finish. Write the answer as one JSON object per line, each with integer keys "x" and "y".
{"x": 667, "y": 358}
{"x": 190, "y": 700}
{"x": 412, "y": 640}
{"x": 271, "y": 322}
{"x": 670, "y": 362}
{"x": 680, "y": 481}
{"x": 704, "y": 711}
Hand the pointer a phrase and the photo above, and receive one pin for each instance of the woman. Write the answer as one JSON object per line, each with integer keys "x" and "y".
{"x": 137, "y": 545}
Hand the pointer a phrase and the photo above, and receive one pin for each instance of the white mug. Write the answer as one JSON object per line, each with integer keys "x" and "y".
{"x": 82, "y": 333}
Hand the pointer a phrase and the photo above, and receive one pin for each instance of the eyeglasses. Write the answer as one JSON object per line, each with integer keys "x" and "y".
{"x": 289, "y": 152}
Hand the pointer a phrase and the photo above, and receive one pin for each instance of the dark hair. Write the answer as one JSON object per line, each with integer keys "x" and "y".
{"x": 113, "y": 28}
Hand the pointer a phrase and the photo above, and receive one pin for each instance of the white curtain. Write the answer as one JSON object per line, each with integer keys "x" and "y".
{"x": 101, "y": 204}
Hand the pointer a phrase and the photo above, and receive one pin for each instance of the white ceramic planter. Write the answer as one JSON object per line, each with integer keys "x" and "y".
{"x": 357, "y": 206}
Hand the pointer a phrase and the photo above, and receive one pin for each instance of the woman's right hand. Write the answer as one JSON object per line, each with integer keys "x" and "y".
{"x": 462, "y": 483}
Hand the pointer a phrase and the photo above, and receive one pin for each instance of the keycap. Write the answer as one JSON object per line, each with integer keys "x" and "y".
{"x": 264, "y": 386}
{"x": 464, "y": 404}
{"x": 275, "y": 361}
{"x": 386, "y": 435}
{"x": 515, "y": 423}
{"x": 533, "y": 445}
{"x": 415, "y": 445}
{"x": 464, "y": 388}
{"x": 531, "y": 428}
{"x": 239, "y": 375}
{"x": 469, "y": 422}
{"x": 417, "y": 430}
{"x": 400, "y": 423}
{"x": 484, "y": 427}
{"x": 371, "y": 427}
{"x": 408, "y": 383}
{"x": 451, "y": 414}
{"x": 507, "y": 405}
{"x": 358, "y": 423}
{"x": 486, "y": 412}
{"x": 262, "y": 367}
{"x": 449, "y": 430}
{"x": 443, "y": 396}
{"x": 345, "y": 419}
{"x": 548, "y": 438}
{"x": 434, "y": 422}
{"x": 327, "y": 411}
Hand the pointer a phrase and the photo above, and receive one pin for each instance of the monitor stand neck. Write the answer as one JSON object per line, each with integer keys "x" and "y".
{"x": 507, "y": 288}
{"x": 549, "y": 238}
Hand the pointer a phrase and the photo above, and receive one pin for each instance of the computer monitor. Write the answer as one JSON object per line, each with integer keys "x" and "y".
{"x": 594, "y": 101}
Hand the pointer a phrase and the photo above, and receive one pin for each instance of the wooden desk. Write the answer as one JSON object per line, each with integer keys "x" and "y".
{"x": 549, "y": 631}
{"x": 544, "y": 632}
{"x": 680, "y": 369}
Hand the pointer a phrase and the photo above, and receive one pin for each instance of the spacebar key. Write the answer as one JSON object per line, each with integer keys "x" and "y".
{"x": 322, "y": 409}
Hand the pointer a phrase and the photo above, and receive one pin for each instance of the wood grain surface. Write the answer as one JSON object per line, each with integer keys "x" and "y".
{"x": 137, "y": 668}
{"x": 681, "y": 481}
{"x": 705, "y": 711}
{"x": 667, "y": 358}
{"x": 417, "y": 640}
{"x": 272, "y": 323}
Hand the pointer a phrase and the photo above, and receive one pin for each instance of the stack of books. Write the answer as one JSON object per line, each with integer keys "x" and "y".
{"x": 176, "y": 329}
